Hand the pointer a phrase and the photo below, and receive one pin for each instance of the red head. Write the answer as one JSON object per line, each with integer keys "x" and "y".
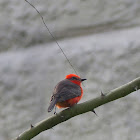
{"x": 75, "y": 79}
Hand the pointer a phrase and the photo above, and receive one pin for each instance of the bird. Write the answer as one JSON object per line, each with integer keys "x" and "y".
{"x": 67, "y": 92}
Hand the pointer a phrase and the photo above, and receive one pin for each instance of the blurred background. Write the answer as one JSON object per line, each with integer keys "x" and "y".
{"x": 102, "y": 40}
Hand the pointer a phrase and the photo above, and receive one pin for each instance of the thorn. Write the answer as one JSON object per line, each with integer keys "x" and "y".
{"x": 32, "y": 126}
{"x": 102, "y": 94}
{"x": 94, "y": 112}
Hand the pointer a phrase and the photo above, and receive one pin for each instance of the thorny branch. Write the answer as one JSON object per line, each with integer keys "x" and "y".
{"x": 87, "y": 106}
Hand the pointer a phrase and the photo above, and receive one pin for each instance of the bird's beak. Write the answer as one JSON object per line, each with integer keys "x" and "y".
{"x": 83, "y": 80}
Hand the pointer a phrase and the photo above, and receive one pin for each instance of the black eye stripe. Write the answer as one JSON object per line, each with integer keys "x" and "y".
{"x": 74, "y": 78}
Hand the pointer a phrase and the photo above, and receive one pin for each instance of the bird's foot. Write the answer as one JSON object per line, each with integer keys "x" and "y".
{"x": 55, "y": 111}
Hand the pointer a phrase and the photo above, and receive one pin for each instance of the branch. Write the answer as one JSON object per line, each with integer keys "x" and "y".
{"x": 80, "y": 109}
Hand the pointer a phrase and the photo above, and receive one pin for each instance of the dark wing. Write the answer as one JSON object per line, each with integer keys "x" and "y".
{"x": 65, "y": 90}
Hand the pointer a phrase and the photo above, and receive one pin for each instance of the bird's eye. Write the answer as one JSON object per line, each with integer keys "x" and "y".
{"x": 74, "y": 78}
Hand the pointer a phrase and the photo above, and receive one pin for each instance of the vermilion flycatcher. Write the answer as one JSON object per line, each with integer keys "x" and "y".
{"x": 67, "y": 92}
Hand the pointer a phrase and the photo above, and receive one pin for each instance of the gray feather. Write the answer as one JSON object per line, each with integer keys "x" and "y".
{"x": 63, "y": 91}
{"x": 52, "y": 104}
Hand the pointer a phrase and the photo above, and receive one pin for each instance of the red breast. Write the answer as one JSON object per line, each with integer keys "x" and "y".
{"x": 67, "y": 92}
{"x": 68, "y": 103}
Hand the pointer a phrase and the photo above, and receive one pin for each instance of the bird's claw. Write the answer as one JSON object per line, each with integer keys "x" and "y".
{"x": 55, "y": 113}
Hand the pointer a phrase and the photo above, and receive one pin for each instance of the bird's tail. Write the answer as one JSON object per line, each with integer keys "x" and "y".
{"x": 52, "y": 104}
